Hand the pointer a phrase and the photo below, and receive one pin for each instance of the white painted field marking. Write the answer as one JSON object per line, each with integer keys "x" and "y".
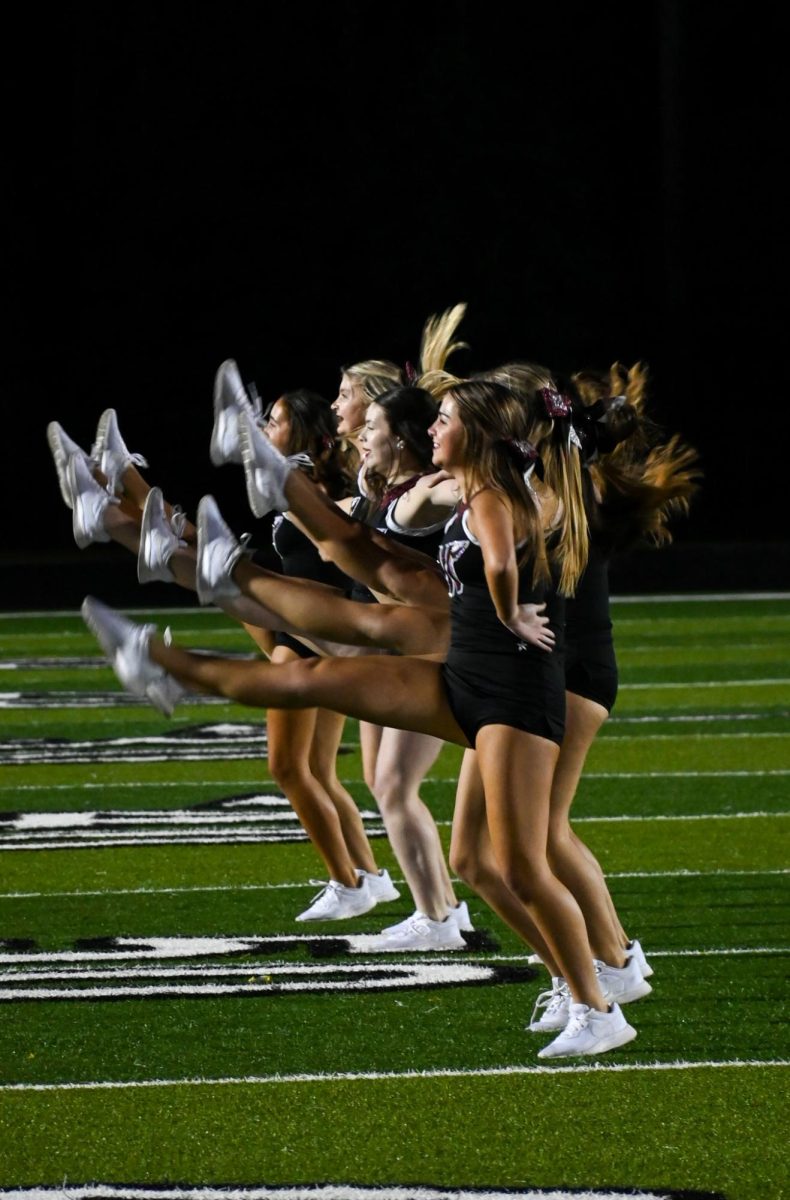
{"x": 738, "y": 816}
{"x": 276, "y": 887}
{"x": 700, "y": 597}
{"x": 433, "y": 779}
{"x": 355, "y": 1077}
{"x": 701, "y": 683}
{"x": 658, "y": 598}
{"x": 326, "y": 1191}
{"x": 183, "y": 827}
{"x": 685, "y": 738}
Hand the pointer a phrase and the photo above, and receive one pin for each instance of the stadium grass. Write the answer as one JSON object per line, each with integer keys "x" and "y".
{"x": 607, "y": 1130}
{"x": 706, "y": 895}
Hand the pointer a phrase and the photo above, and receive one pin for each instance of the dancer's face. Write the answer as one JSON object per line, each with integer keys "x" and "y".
{"x": 448, "y": 436}
{"x": 379, "y": 446}
{"x": 350, "y": 406}
{"x": 278, "y": 427}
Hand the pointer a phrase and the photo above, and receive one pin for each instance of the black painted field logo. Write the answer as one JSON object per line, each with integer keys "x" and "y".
{"x": 196, "y": 743}
{"x": 249, "y": 818}
{"x": 193, "y": 967}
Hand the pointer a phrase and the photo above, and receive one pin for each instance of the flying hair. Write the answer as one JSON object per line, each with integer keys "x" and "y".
{"x": 436, "y": 347}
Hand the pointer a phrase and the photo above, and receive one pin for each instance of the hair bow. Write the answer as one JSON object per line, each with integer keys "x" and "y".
{"x": 556, "y": 404}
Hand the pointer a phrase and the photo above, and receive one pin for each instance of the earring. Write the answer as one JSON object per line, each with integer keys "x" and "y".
{"x": 400, "y": 443}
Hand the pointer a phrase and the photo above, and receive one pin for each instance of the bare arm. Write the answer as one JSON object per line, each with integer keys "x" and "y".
{"x": 492, "y": 525}
{"x": 383, "y": 565}
{"x": 430, "y": 502}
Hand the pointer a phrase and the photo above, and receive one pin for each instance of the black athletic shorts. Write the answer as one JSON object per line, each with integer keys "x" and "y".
{"x": 285, "y": 639}
{"x": 499, "y": 694}
{"x": 591, "y": 669}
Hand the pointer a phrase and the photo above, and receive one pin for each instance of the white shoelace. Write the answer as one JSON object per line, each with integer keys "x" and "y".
{"x": 551, "y": 1000}
{"x": 576, "y": 1023}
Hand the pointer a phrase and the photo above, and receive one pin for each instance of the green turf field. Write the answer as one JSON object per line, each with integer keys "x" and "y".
{"x": 166, "y": 1023}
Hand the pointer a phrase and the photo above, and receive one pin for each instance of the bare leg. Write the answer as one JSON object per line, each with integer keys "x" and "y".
{"x": 517, "y": 770}
{"x": 472, "y": 858}
{"x": 403, "y": 761}
{"x": 136, "y": 490}
{"x": 122, "y": 522}
{"x": 291, "y": 734}
{"x": 406, "y": 693}
{"x": 324, "y": 612}
{"x": 572, "y": 861}
{"x": 360, "y": 552}
{"x": 323, "y": 764}
{"x": 369, "y": 742}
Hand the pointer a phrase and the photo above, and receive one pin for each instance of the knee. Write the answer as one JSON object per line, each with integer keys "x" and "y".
{"x": 283, "y": 769}
{"x": 560, "y": 842}
{"x": 465, "y": 864}
{"x": 389, "y": 790}
{"x": 520, "y": 879}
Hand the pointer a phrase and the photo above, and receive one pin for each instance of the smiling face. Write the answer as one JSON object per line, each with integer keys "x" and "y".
{"x": 448, "y": 436}
{"x": 278, "y": 427}
{"x": 350, "y": 406}
{"x": 379, "y": 446}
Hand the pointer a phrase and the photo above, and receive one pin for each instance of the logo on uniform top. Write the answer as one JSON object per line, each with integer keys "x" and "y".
{"x": 449, "y": 553}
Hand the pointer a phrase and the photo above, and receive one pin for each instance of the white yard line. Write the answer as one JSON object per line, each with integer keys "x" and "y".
{"x": 276, "y": 887}
{"x": 668, "y": 598}
{"x": 351, "y": 1076}
{"x": 436, "y": 779}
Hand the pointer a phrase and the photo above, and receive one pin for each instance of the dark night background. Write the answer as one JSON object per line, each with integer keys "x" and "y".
{"x": 301, "y": 187}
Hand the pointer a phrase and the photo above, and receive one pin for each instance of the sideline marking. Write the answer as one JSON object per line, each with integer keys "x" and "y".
{"x": 698, "y": 683}
{"x": 70, "y": 830}
{"x": 239, "y": 818}
{"x": 191, "y": 611}
{"x": 434, "y": 779}
{"x": 699, "y": 597}
{"x": 275, "y": 887}
{"x": 332, "y": 1191}
{"x": 350, "y": 1076}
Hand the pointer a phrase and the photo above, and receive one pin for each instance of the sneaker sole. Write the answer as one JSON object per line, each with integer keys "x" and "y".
{"x": 637, "y": 992}
{"x": 60, "y": 459}
{"x": 620, "y": 1038}
{"x": 536, "y": 1027}
{"x": 340, "y": 917}
{"x": 387, "y": 897}
{"x": 257, "y": 504}
{"x": 388, "y": 946}
{"x": 146, "y": 574}
{"x": 202, "y": 537}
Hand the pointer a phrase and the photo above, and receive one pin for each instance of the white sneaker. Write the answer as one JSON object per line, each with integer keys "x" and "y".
{"x": 265, "y": 469}
{"x": 638, "y": 953}
{"x": 335, "y": 902}
{"x": 590, "y": 1032}
{"x": 556, "y": 1005}
{"x": 126, "y": 645}
{"x": 218, "y": 551}
{"x": 63, "y": 448}
{"x": 158, "y": 541}
{"x": 622, "y": 984}
{"x": 230, "y": 398}
{"x": 111, "y": 453}
{"x": 381, "y": 886}
{"x": 89, "y": 502}
{"x": 419, "y": 932}
{"x": 460, "y": 914}
{"x": 401, "y": 925}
